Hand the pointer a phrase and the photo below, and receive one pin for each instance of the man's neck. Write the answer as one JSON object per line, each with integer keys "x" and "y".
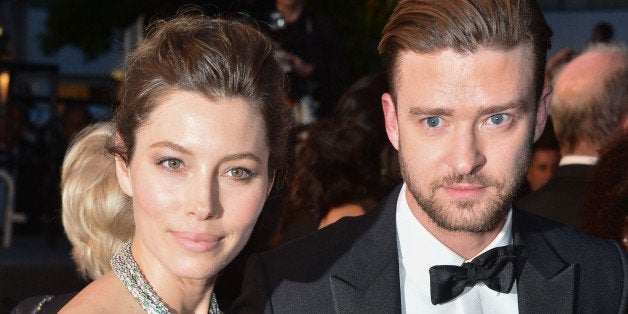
{"x": 465, "y": 244}
{"x": 582, "y": 149}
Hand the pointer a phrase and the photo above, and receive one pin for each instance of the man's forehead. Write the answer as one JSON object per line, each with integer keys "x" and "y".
{"x": 408, "y": 62}
{"x": 449, "y": 79}
{"x": 524, "y": 51}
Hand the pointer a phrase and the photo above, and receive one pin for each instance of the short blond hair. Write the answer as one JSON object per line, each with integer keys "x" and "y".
{"x": 97, "y": 215}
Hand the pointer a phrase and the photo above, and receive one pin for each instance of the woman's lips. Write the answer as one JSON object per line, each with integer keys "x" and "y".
{"x": 197, "y": 242}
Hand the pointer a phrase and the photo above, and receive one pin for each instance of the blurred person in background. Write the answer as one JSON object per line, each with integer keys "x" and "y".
{"x": 602, "y": 32}
{"x": 605, "y": 212}
{"x": 342, "y": 167}
{"x": 589, "y": 106}
{"x": 544, "y": 161}
{"x": 313, "y": 57}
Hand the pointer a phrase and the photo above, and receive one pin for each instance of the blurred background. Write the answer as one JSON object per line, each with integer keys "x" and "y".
{"x": 60, "y": 63}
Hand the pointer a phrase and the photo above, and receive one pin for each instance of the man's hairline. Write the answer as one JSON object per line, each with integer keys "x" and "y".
{"x": 393, "y": 72}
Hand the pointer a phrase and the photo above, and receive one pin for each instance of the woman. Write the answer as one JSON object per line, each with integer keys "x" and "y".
{"x": 199, "y": 137}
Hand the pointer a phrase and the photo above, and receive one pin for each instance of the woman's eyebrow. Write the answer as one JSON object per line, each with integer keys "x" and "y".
{"x": 241, "y": 156}
{"x": 171, "y": 145}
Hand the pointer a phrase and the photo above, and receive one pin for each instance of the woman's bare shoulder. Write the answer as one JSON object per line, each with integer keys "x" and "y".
{"x": 104, "y": 295}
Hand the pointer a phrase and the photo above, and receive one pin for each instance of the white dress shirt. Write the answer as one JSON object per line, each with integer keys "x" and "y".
{"x": 578, "y": 160}
{"x": 418, "y": 250}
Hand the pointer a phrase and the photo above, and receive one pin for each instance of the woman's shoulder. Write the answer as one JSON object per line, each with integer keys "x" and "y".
{"x": 104, "y": 295}
{"x": 43, "y": 304}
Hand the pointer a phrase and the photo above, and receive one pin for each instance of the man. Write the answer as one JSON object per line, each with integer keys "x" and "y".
{"x": 313, "y": 57}
{"x": 465, "y": 105}
{"x": 544, "y": 160}
{"x": 589, "y": 106}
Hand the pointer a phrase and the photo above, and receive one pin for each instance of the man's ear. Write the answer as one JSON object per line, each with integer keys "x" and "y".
{"x": 542, "y": 112}
{"x": 390, "y": 118}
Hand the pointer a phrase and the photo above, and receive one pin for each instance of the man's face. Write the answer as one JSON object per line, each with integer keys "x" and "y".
{"x": 464, "y": 125}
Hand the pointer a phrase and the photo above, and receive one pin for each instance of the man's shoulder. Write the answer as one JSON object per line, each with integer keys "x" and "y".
{"x": 564, "y": 256}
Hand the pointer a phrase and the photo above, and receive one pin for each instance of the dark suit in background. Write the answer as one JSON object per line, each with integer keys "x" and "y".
{"x": 352, "y": 267}
{"x": 562, "y": 198}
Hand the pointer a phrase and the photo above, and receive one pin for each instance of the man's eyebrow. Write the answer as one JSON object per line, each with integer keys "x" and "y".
{"x": 417, "y": 111}
{"x": 520, "y": 105}
{"x": 171, "y": 145}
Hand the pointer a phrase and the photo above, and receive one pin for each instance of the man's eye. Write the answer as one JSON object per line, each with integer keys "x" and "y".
{"x": 239, "y": 173}
{"x": 433, "y": 121}
{"x": 498, "y": 119}
{"x": 172, "y": 164}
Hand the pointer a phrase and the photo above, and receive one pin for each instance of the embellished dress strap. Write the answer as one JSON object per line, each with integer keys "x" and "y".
{"x": 125, "y": 267}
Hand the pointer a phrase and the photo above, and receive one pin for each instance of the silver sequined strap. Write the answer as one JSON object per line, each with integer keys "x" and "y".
{"x": 125, "y": 267}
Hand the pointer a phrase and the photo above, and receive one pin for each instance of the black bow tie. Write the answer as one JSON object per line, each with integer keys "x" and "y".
{"x": 497, "y": 268}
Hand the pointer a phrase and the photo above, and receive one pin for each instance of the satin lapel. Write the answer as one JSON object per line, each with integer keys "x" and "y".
{"x": 546, "y": 284}
{"x": 367, "y": 279}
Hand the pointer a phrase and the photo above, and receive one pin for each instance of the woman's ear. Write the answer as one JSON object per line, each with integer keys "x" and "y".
{"x": 123, "y": 172}
{"x": 271, "y": 181}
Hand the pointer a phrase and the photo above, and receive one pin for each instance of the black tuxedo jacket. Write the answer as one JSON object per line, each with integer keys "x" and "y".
{"x": 352, "y": 267}
{"x": 562, "y": 197}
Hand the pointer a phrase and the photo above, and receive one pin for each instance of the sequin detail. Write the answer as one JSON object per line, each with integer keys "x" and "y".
{"x": 125, "y": 267}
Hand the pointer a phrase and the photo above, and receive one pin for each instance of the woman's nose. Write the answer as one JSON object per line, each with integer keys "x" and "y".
{"x": 206, "y": 195}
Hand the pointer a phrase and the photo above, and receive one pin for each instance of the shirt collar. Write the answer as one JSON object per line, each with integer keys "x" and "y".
{"x": 578, "y": 160}
{"x": 414, "y": 240}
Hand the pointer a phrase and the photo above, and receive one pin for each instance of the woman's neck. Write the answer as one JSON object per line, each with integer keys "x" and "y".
{"x": 181, "y": 295}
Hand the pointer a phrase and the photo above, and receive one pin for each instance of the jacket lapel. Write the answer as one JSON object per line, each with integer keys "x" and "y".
{"x": 367, "y": 278}
{"x": 546, "y": 284}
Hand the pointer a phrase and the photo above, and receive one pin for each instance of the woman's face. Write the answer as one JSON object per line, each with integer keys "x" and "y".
{"x": 198, "y": 179}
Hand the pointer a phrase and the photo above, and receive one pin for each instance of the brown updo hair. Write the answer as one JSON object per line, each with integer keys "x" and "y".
{"x": 213, "y": 57}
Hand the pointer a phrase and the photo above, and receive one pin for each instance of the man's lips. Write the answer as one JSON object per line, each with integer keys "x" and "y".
{"x": 197, "y": 242}
{"x": 464, "y": 190}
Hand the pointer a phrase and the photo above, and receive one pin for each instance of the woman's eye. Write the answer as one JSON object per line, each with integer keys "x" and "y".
{"x": 498, "y": 119}
{"x": 239, "y": 173}
{"x": 172, "y": 164}
{"x": 433, "y": 122}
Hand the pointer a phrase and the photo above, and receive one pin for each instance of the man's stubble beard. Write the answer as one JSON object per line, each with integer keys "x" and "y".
{"x": 448, "y": 217}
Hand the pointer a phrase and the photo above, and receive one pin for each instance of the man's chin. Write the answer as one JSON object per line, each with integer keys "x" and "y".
{"x": 466, "y": 216}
